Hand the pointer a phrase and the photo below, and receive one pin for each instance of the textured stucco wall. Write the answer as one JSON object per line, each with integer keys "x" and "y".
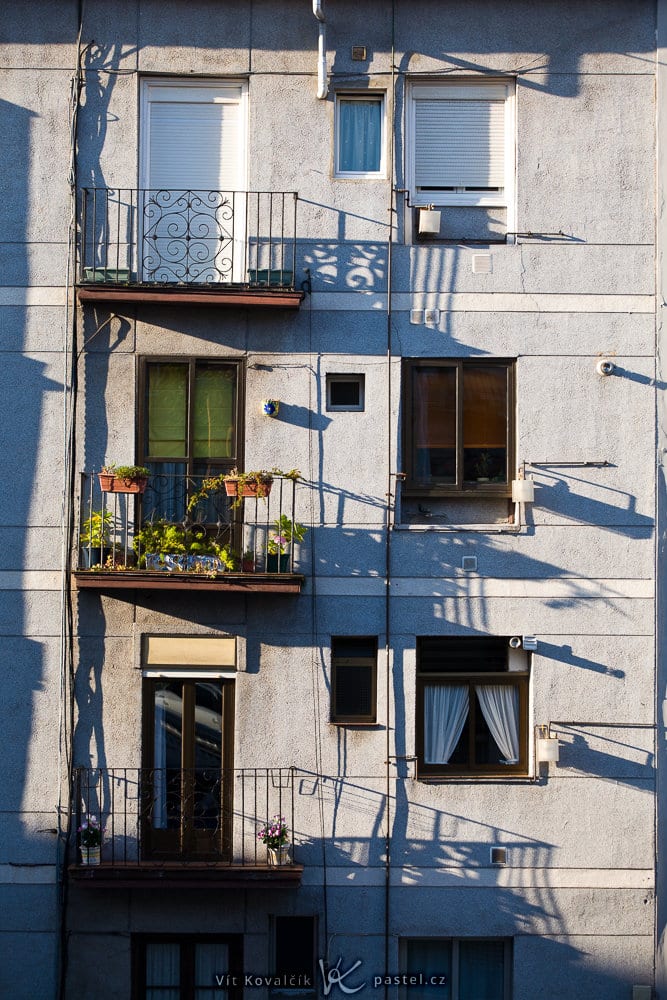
{"x": 576, "y": 895}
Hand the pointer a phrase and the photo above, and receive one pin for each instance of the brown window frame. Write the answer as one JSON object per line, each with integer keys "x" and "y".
{"x": 337, "y": 661}
{"x": 214, "y": 465}
{"x": 413, "y": 485}
{"x": 517, "y": 678}
{"x": 187, "y": 944}
{"x": 186, "y": 842}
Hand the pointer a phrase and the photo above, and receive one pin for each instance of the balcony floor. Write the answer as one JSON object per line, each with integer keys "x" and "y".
{"x": 193, "y": 875}
{"x": 207, "y": 295}
{"x": 266, "y": 583}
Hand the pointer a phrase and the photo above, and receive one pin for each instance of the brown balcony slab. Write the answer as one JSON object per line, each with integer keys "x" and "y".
{"x": 244, "y": 583}
{"x": 194, "y": 295}
{"x": 190, "y": 875}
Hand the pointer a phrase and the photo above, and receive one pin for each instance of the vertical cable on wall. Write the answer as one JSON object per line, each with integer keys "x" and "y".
{"x": 388, "y": 507}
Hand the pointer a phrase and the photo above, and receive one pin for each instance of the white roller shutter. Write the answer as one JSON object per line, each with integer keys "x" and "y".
{"x": 459, "y": 144}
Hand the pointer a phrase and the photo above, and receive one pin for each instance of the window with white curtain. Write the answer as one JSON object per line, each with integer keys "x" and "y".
{"x": 460, "y": 142}
{"x": 359, "y": 131}
{"x": 473, "y": 968}
{"x": 472, "y": 707}
{"x": 169, "y": 967}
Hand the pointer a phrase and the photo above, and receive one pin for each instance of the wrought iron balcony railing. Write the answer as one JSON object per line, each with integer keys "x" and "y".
{"x": 135, "y": 236}
{"x": 155, "y": 534}
{"x": 182, "y": 816}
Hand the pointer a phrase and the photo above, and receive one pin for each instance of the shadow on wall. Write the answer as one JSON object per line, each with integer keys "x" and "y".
{"x": 29, "y": 620}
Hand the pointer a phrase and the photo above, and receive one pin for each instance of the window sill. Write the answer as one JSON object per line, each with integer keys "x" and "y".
{"x": 497, "y": 529}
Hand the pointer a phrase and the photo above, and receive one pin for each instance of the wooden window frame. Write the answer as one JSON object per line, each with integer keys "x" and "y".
{"x": 460, "y": 488}
{"x": 187, "y": 944}
{"x": 186, "y": 843}
{"x": 216, "y": 465}
{"x": 516, "y": 678}
{"x": 361, "y": 719}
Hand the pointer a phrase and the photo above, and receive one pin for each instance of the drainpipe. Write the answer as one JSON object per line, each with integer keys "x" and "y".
{"x": 322, "y": 84}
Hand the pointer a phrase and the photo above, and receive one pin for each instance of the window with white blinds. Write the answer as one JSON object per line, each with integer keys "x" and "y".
{"x": 461, "y": 142}
{"x": 193, "y": 136}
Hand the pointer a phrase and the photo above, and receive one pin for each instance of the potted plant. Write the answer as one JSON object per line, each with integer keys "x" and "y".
{"x": 94, "y": 537}
{"x": 274, "y": 835}
{"x": 256, "y": 483}
{"x": 123, "y": 478}
{"x": 248, "y": 561}
{"x": 90, "y": 841}
{"x": 159, "y": 544}
{"x": 285, "y": 532}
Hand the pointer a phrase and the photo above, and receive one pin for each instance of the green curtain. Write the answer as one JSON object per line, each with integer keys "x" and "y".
{"x": 214, "y": 407}
{"x": 167, "y": 411}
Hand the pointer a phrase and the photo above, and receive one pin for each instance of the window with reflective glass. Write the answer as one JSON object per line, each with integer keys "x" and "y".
{"x": 458, "y": 427}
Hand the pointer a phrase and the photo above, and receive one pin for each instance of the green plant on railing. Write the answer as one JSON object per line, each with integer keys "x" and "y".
{"x": 96, "y": 529}
{"x": 285, "y": 532}
{"x": 126, "y": 471}
{"x": 261, "y": 478}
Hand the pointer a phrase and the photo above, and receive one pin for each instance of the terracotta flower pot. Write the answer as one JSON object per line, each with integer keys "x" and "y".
{"x": 118, "y": 484}
{"x": 250, "y": 488}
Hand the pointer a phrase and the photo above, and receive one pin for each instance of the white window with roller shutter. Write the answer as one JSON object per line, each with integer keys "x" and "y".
{"x": 193, "y": 168}
{"x": 461, "y": 142}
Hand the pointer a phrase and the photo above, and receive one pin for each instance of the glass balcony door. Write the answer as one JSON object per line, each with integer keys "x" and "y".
{"x": 186, "y": 795}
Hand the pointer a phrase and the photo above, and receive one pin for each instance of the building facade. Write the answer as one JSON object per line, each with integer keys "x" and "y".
{"x": 396, "y": 263}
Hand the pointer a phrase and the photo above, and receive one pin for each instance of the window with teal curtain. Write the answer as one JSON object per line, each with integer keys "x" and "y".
{"x": 474, "y": 969}
{"x": 481, "y": 970}
{"x": 359, "y": 135}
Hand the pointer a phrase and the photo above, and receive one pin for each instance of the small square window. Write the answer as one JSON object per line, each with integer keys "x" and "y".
{"x": 359, "y": 135}
{"x": 345, "y": 392}
{"x": 353, "y": 680}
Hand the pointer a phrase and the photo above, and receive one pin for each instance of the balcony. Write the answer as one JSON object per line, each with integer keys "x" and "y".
{"x": 224, "y": 248}
{"x": 197, "y": 827}
{"x": 157, "y": 540}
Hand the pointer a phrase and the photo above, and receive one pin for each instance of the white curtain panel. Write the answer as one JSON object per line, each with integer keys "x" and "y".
{"x": 163, "y": 971}
{"x": 445, "y": 712}
{"x": 500, "y": 705}
{"x": 210, "y": 960}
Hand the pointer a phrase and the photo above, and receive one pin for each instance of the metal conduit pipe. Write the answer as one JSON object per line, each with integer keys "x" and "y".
{"x": 322, "y": 82}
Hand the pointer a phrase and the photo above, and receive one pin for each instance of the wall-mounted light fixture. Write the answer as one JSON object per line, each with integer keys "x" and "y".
{"x": 429, "y": 221}
{"x": 270, "y": 407}
{"x": 546, "y": 745}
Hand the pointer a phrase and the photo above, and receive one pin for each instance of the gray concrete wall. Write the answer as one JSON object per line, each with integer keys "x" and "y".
{"x": 576, "y": 895}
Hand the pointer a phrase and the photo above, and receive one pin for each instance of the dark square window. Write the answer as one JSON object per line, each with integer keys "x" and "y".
{"x": 458, "y": 434}
{"x": 345, "y": 392}
{"x": 472, "y": 708}
{"x": 353, "y": 680}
